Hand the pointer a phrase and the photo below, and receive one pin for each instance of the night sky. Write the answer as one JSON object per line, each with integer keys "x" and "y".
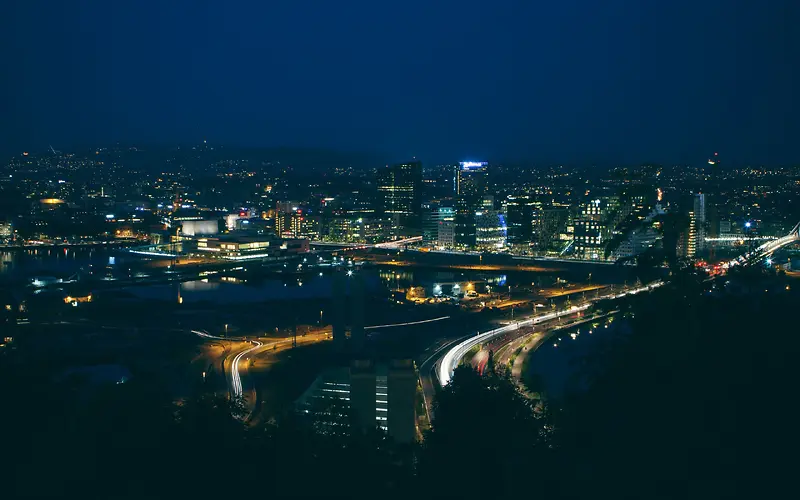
{"x": 572, "y": 81}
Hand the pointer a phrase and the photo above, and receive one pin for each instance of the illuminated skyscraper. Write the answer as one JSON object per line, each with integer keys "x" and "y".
{"x": 549, "y": 223}
{"x": 471, "y": 179}
{"x": 490, "y": 230}
{"x": 591, "y": 232}
{"x": 437, "y": 225}
{"x": 519, "y": 217}
{"x": 699, "y": 215}
{"x": 688, "y": 243}
{"x": 399, "y": 197}
{"x": 471, "y": 182}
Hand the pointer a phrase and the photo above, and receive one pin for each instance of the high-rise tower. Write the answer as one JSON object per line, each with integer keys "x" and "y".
{"x": 400, "y": 197}
{"x": 471, "y": 183}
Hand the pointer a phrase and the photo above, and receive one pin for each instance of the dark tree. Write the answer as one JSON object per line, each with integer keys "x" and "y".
{"x": 696, "y": 402}
{"x": 485, "y": 436}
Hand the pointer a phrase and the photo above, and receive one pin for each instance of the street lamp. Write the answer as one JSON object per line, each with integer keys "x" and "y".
{"x": 226, "y": 329}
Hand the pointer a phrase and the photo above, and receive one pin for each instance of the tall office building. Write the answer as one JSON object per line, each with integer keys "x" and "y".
{"x": 687, "y": 243}
{"x": 437, "y": 225}
{"x": 447, "y": 231}
{"x": 283, "y": 217}
{"x": 519, "y": 217}
{"x": 471, "y": 182}
{"x": 399, "y": 197}
{"x": 471, "y": 179}
{"x": 591, "y": 232}
{"x": 430, "y": 223}
{"x": 548, "y": 225}
{"x": 304, "y": 225}
{"x": 491, "y": 229}
{"x": 700, "y": 220}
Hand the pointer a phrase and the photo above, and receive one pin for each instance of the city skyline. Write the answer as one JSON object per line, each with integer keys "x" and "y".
{"x": 355, "y": 249}
{"x": 321, "y": 157}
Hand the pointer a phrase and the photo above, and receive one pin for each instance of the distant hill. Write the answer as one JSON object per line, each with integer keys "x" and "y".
{"x": 153, "y": 158}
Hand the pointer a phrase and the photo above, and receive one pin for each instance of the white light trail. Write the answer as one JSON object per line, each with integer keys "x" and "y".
{"x": 451, "y": 359}
{"x": 375, "y": 327}
{"x": 767, "y": 248}
{"x": 156, "y": 254}
{"x": 206, "y": 335}
{"x": 392, "y": 244}
{"x": 236, "y": 379}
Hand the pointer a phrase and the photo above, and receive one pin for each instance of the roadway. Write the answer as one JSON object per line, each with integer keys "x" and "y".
{"x": 453, "y": 356}
{"x": 428, "y": 363}
{"x": 244, "y": 354}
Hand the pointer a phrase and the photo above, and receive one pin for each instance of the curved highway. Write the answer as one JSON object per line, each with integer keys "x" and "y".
{"x": 236, "y": 378}
{"x": 453, "y": 357}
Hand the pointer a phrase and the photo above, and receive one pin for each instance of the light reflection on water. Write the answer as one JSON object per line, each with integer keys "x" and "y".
{"x": 55, "y": 260}
{"x": 199, "y": 286}
{"x": 295, "y": 287}
{"x": 403, "y": 278}
{"x": 558, "y": 364}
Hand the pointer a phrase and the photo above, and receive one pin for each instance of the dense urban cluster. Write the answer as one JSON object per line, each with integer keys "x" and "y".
{"x": 238, "y": 203}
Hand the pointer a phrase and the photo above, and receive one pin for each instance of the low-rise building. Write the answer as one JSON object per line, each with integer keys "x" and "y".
{"x": 243, "y": 247}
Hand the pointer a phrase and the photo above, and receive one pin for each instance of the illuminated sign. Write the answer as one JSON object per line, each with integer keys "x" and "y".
{"x": 473, "y": 164}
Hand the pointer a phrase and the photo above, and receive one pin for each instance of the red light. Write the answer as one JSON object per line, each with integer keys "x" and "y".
{"x": 243, "y": 214}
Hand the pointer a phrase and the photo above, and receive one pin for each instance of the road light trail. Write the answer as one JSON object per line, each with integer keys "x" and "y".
{"x": 375, "y": 327}
{"x": 454, "y": 355}
{"x": 236, "y": 379}
{"x": 206, "y": 335}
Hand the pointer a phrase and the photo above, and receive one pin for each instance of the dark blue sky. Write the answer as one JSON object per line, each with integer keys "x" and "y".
{"x": 573, "y": 81}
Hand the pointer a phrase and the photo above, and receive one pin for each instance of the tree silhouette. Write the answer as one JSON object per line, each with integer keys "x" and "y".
{"x": 481, "y": 423}
{"x": 693, "y": 402}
